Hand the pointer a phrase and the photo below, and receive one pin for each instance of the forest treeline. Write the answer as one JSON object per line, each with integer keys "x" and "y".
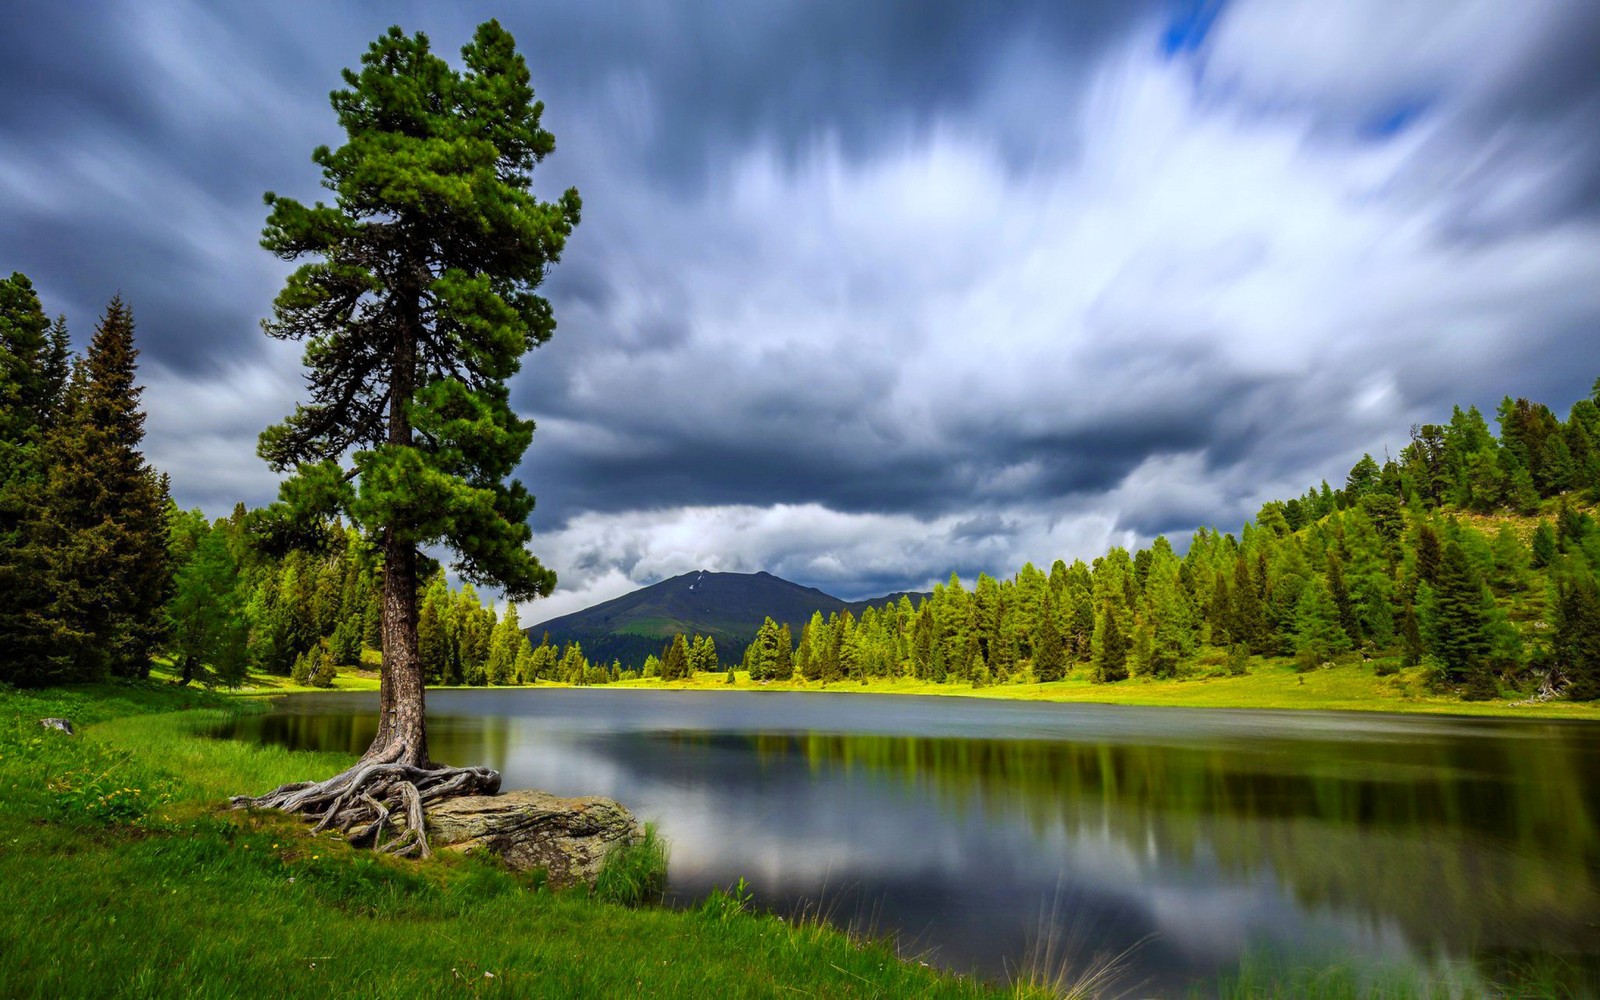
{"x": 1393, "y": 566}
{"x": 1471, "y": 553}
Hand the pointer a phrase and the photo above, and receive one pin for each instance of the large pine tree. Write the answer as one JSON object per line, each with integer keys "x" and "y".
{"x": 416, "y": 305}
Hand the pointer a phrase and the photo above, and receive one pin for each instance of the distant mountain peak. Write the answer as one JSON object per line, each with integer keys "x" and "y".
{"x": 729, "y": 607}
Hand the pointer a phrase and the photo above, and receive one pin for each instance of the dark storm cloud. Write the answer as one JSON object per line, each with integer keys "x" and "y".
{"x": 215, "y": 104}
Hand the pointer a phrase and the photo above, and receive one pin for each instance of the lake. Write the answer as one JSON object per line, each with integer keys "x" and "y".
{"x": 977, "y": 829}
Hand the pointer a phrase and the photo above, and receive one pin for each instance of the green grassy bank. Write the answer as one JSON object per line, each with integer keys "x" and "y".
{"x": 1272, "y": 684}
{"x": 127, "y": 878}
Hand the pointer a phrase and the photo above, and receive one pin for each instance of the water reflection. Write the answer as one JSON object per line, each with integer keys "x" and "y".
{"x": 958, "y": 823}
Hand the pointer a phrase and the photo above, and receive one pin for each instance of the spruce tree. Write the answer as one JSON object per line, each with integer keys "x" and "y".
{"x": 1543, "y": 546}
{"x": 1318, "y": 635}
{"x": 206, "y": 615}
{"x": 432, "y": 643}
{"x": 30, "y": 633}
{"x": 416, "y": 305}
{"x": 1371, "y": 587}
{"x": 1576, "y": 642}
{"x": 503, "y": 646}
{"x": 1458, "y": 616}
{"x": 783, "y": 658}
{"x": 1049, "y": 653}
{"x": 1344, "y": 608}
{"x": 675, "y": 665}
{"x": 104, "y": 513}
{"x": 1249, "y": 624}
{"x": 1167, "y": 610}
{"x": 1110, "y": 656}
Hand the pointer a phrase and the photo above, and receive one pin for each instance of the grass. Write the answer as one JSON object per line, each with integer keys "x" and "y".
{"x": 130, "y": 879}
{"x": 633, "y": 874}
{"x": 1270, "y": 683}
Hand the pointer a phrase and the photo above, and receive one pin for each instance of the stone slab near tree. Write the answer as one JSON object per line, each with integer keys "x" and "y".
{"x": 530, "y": 830}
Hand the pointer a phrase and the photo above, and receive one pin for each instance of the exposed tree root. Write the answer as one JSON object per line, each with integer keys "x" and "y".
{"x": 359, "y": 802}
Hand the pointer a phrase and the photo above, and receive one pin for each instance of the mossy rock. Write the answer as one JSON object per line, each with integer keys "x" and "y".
{"x": 530, "y": 830}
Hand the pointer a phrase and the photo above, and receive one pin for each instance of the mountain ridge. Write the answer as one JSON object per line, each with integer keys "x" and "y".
{"x": 729, "y": 607}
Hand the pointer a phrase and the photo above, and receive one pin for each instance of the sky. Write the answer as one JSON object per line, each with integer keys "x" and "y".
{"x": 867, "y": 293}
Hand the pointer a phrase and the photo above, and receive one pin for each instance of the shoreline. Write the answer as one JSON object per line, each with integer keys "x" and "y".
{"x": 1345, "y": 688}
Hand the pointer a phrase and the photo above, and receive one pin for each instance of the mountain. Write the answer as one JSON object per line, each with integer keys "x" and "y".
{"x": 729, "y": 607}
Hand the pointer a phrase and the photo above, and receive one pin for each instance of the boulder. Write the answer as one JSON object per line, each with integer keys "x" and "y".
{"x": 529, "y": 830}
{"x": 65, "y": 725}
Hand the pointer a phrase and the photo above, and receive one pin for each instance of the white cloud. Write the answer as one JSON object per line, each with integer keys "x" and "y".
{"x": 600, "y": 556}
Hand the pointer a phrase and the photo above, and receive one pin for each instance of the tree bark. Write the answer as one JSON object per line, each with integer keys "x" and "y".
{"x": 402, "y": 667}
{"x": 402, "y": 711}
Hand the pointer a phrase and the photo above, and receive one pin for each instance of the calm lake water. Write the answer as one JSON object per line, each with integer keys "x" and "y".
{"x": 973, "y": 828}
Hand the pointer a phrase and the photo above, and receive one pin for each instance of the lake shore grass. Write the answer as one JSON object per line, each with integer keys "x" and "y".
{"x": 1270, "y": 684}
{"x": 131, "y": 877}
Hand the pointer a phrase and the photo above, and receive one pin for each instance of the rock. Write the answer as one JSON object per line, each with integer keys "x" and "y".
{"x": 65, "y": 725}
{"x": 529, "y": 830}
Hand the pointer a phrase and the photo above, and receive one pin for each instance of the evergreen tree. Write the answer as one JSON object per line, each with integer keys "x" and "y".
{"x": 525, "y": 669}
{"x": 1458, "y": 616}
{"x": 323, "y": 669}
{"x": 416, "y": 305}
{"x": 104, "y": 513}
{"x": 1344, "y": 608}
{"x": 206, "y": 617}
{"x": 1363, "y": 479}
{"x": 1049, "y": 653}
{"x": 1110, "y": 657}
{"x": 432, "y": 642}
{"x": 1543, "y": 546}
{"x": 504, "y": 644}
{"x": 574, "y": 666}
{"x": 1318, "y": 635}
{"x": 31, "y": 635}
{"x": 1249, "y": 623}
{"x": 1371, "y": 587}
{"x": 304, "y": 663}
{"x": 675, "y": 665}
{"x": 783, "y": 658}
{"x": 1167, "y": 611}
{"x": 1411, "y": 633}
{"x": 1576, "y": 642}
{"x": 1429, "y": 554}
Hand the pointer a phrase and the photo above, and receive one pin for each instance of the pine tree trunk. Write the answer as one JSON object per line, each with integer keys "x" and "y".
{"x": 402, "y": 696}
{"x": 402, "y": 717}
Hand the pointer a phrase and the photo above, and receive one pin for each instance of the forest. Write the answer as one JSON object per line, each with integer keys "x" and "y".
{"x": 1472, "y": 553}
